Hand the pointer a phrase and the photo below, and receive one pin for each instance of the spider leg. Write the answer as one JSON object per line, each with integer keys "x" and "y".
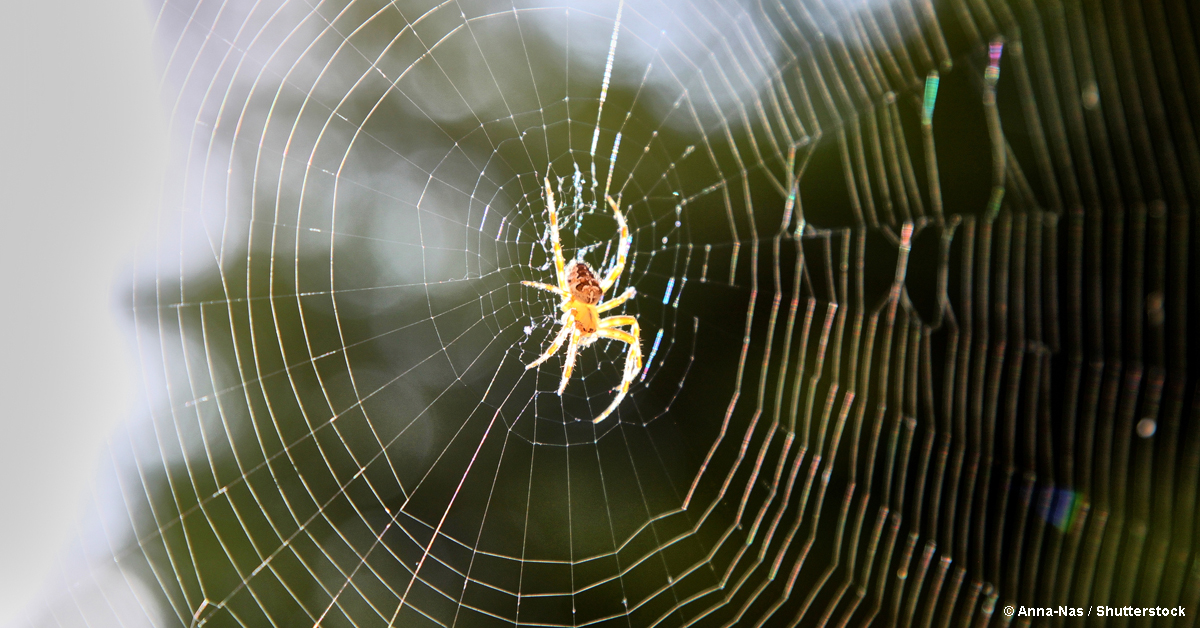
{"x": 547, "y": 287}
{"x": 568, "y": 325}
{"x": 560, "y": 270}
{"x": 621, "y": 321}
{"x": 572, "y": 349}
{"x": 633, "y": 337}
{"x": 615, "y": 303}
{"x": 622, "y": 247}
{"x": 633, "y": 362}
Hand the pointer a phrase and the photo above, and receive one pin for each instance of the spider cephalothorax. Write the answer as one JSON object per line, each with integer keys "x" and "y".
{"x": 581, "y": 292}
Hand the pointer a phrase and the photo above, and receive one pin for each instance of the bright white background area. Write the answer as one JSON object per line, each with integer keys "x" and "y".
{"x": 82, "y": 143}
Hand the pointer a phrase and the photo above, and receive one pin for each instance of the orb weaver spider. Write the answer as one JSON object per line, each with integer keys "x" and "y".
{"x": 581, "y": 293}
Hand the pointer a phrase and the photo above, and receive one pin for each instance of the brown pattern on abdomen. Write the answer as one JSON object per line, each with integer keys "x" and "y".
{"x": 585, "y": 288}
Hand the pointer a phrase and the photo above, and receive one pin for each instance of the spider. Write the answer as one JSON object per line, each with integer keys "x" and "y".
{"x": 581, "y": 293}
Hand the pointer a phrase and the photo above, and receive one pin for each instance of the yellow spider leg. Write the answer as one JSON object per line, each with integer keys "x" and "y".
{"x": 560, "y": 269}
{"x": 572, "y": 348}
{"x": 568, "y": 324}
{"x": 617, "y": 334}
{"x": 633, "y": 337}
{"x": 621, "y": 321}
{"x": 633, "y": 362}
{"x": 622, "y": 247}
{"x": 633, "y": 359}
{"x": 547, "y": 287}
{"x": 615, "y": 303}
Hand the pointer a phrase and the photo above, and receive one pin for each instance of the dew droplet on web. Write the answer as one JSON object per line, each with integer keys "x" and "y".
{"x": 1091, "y": 96}
{"x": 1155, "y": 314}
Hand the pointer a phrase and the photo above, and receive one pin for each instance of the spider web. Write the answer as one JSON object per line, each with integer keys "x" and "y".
{"x": 878, "y": 387}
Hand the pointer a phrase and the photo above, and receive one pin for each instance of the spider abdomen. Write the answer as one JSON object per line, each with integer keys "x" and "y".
{"x": 585, "y": 288}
